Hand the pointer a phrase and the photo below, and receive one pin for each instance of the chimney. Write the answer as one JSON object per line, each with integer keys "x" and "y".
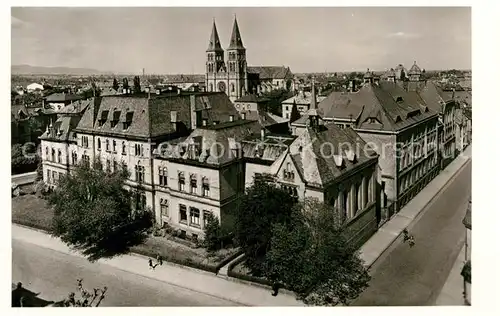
{"x": 262, "y": 134}
{"x": 173, "y": 119}
{"x": 192, "y": 106}
{"x": 313, "y": 95}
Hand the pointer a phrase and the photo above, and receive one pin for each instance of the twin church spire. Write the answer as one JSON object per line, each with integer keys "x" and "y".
{"x": 234, "y": 43}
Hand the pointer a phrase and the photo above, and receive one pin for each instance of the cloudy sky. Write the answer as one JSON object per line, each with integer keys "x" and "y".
{"x": 174, "y": 40}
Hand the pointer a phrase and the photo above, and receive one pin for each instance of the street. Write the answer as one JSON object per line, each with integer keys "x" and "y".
{"x": 414, "y": 276}
{"x": 54, "y": 274}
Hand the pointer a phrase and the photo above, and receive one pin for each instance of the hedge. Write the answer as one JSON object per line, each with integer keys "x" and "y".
{"x": 31, "y": 225}
{"x": 245, "y": 277}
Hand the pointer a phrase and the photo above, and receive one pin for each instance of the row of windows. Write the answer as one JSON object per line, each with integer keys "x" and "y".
{"x": 52, "y": 156}
{"x": 349, "y": 204}
{"x": 193, "y": 184}
{"x": 194, "y": 215}
{"x": 421, "y": 170}
{"x": 138, "y": 148}
{"x": 53, "y": 176}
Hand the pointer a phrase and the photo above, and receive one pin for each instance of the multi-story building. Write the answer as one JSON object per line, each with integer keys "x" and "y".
{"x": 302, "y": 99}
{"x": 337, "y": 167}
{"x": 200, "y": 174}
{"x": 127, "y": 129}
{"x": 398, "y": 125}
{"x": 466, "y": 270}
{"x": 59, "y": 142}
{"x": 235, "y": 78}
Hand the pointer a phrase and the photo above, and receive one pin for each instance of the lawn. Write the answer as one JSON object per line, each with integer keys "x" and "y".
{"x": 32, "y": 211}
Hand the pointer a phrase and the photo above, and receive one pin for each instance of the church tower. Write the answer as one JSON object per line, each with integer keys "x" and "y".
{"x": 215, "y": 61}
{"x": 237, "y": 65}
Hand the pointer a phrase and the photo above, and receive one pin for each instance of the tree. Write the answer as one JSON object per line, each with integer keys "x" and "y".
{"x": 311, "y": 257}
{"x": 295, "y": 115}
{"x": 137, "y": 84}
{"x": 263, "y": 205}
{"x": 125, "y": 83}
{"x": 212, "y": 241}
{"x": 23, "y": 158}
{"x": 115, "y": 84}
{"x": 93, "y": 212}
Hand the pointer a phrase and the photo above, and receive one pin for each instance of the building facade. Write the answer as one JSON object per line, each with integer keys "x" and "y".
{"x": 233, "y": 76}
{"x": 399, "y": 126}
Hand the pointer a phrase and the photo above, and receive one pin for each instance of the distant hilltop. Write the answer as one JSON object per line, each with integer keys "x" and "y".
{"x": 36, "y": 70}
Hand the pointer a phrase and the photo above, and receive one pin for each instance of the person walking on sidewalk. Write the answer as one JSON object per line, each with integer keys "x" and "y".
{"x": 276, "y": 288}
{"x": 159, "y": 258}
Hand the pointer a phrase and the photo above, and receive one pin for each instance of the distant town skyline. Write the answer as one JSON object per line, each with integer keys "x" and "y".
{"x": 174, "y": 39}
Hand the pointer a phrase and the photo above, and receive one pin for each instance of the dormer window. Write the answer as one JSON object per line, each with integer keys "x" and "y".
{"x": 104, "y": 117}
{"x": 116, "y": 118}
{"x": 128, "y": 120}
{"x": 398, "y": 99}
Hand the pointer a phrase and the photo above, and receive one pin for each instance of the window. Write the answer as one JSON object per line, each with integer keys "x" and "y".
{"x": 164, "y": 207}
{"x": 54, "y": 176}
{"x": 59, "y": 175}
{"x": 114, "y": 146}
{"x": 47, "y": 153}
{"x": 366, "y": 188}
{"x": 205, "y": 217}
{"x": 140, "y": 201}
{"x": 48, "y": 176}
{"x": 139, "y": 173}
{"x": 194, "y": 185}
{"x": 205, "y": 186}
{"x": 344, "y": 205}
{"x": 74, "y": 158}
{"x": 59, "y": 156}
{"x": 194, "y": 216}
{"x": 162, "y": 171}
{"x": 181, "y": 181}
{"x": 53, "y": 154}
{"x": 98, "y": 144}
{"x": 108, "y": 165}
{"x": 288, "y": 172}
{"x": 139, "y": 149}
{"x": 182, "y": 213}
{"x": 107, "y": 144}
{"x": 115, "y": 165}
{"x": 85, "y": 142}
{"x": 123, "y": 149}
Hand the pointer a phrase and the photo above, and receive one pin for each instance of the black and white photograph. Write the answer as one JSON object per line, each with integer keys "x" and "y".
{"x": 169, "y": 156}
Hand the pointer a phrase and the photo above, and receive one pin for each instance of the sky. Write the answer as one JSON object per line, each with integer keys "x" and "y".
{"x": 174, "y": 39}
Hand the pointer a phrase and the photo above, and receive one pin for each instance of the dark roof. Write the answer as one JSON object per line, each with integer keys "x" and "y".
{"x": 383, "y": 106}
{"x": 252, "y": 98}
{"x": 62, "y": 129}
{"x": 62, "y": 97}
{"x": 76, "y": 107}
{"x": 269, "y": 149}
{"x": 236, "y": 42}
{"x": 316, "y": 163}
{"x": 152, "y": 116}
{"x": 227, "y": 137}
{"x": 270, "y": 72}
{"x": 180, "y": 78}
{"x": 214, "y": 44}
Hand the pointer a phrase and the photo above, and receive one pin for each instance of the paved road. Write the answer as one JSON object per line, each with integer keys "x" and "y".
{"x": 54, "y": 274}
{"x": 415, "y": 276}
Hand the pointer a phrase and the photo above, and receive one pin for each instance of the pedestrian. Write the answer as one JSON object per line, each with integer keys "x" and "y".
{"x": 406, "y": 235}
{"x": 276, "y": 288}
{"x": 159, "y": 259}
{"x": 151, "y": 263}
{"x": 411, "y": 241}
{"x": 217, "y": 271}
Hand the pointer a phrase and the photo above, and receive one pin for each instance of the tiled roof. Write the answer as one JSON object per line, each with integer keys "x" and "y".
{"x": 214, "y": 44}
{"x": 227, "y": 137}
{"x": 317, "y": 163}
{"x": 415, "y": 69}
{"x": 62, "y": 129}
{"x": 236, "y": 42}
{"x": 270, "y": 72}
{"x": 252, "y": 98}
{"x": 392, "y": 107}
{"x": 62, "y": 97}
{"x": 152, "y": 117}
{"x": 184, "y": 78}
{"x": 268, "y": 149}
{"x": 303, "y": 98}
{"x": 76, "y": 107}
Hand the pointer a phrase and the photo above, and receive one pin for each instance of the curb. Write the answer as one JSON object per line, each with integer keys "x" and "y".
{"x": 421, "y": 212}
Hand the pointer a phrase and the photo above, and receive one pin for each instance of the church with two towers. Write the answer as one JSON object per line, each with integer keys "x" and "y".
{"x": 233, "y": 76}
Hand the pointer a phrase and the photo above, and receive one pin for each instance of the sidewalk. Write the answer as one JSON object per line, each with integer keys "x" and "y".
{"x": 375, "y": 247}
{"x": 452, "y": 292}
{"x": 189, "y": 279}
